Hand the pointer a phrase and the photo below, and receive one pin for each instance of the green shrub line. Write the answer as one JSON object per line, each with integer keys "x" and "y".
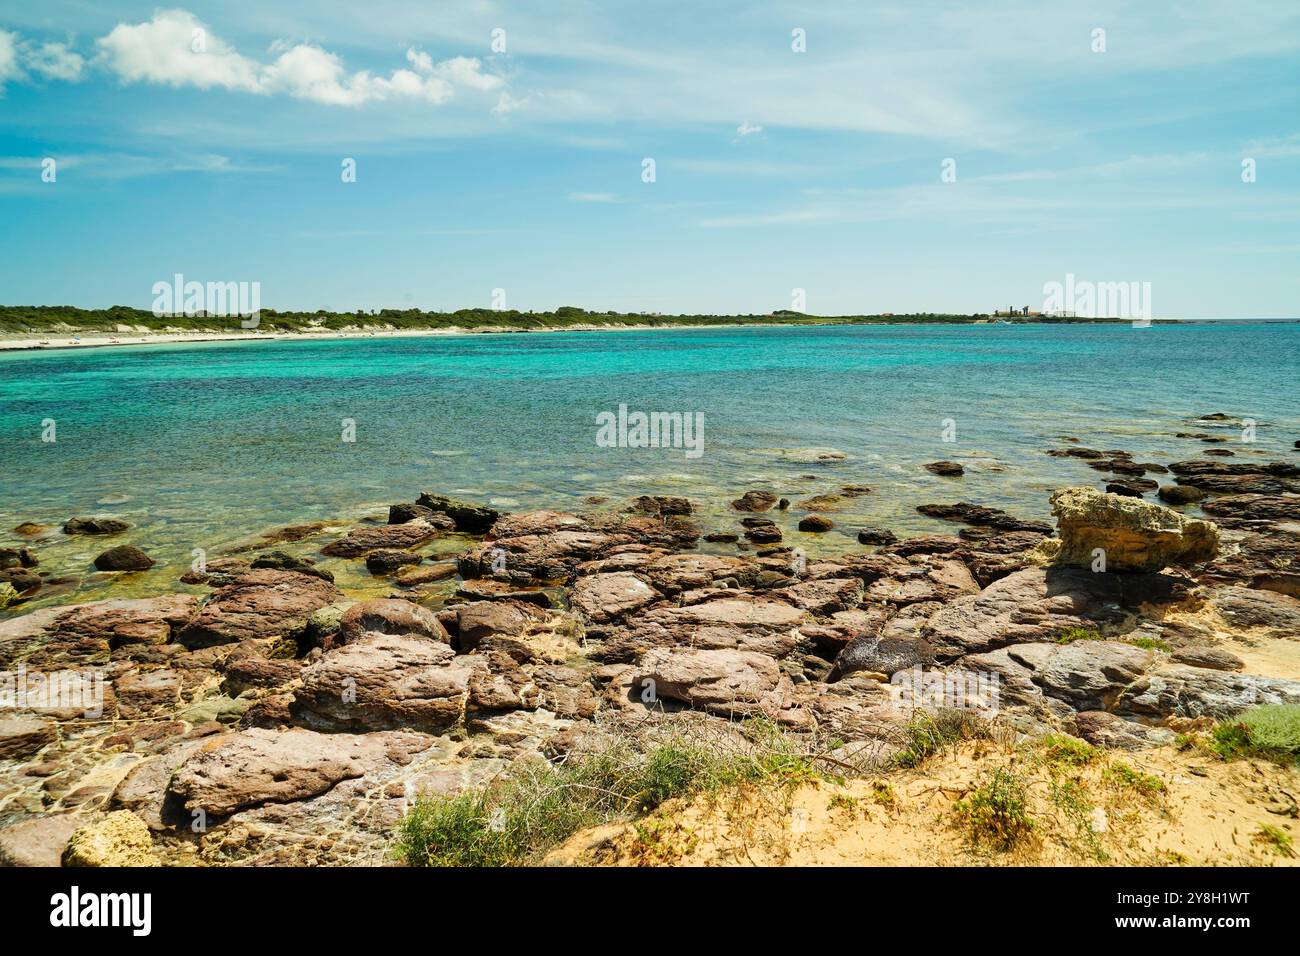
{"x": 65, "y": 319}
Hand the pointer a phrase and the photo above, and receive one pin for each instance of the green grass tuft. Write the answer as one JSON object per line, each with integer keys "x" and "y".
{"x": 1067, "y": 750}
{"x": 1072, "y": 634}
{"x": 996, "y": 813}
{"x": 1130, "y": 778}
{"x": 1275, "y": 838}
{"x": 926, "y": 734}
{"x": 1271, "y": 732}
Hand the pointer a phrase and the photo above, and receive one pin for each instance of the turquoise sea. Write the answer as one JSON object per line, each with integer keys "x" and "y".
{"x": 201, "y": 445}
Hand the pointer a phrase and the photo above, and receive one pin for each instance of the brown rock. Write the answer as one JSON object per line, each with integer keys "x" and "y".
{"x": 124, "y": 557}
{"x": 386, "y": 616}
{"x": 948, "y": 469}
{"x": 261, "y": 603}
{"x": 755, "y": 501}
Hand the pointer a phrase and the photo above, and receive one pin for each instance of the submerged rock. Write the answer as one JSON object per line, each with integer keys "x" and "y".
{"x": 876, "y": 536}
{"x": 282, "y": 561}
{"x": 365, "y": 538}
{"x": 95, "y": 525}
{"x": 980, "y": 516}
{"x": 124, "y": 557}
{"x": 38, "y": 841}
{"x": 948, "y": 469}
{"x": 755, "y": 501}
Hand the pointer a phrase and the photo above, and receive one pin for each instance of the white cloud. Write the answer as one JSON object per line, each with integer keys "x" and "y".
{"x": 8, "y": 58}
{"x": 53, "y": 61}
{"x": 177, "y": 49}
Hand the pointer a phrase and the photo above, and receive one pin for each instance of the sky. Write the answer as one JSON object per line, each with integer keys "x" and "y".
{"x": 879, "y": 157}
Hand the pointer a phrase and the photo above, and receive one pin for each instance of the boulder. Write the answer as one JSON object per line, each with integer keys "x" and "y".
{"x": 881, "y": 655}
{"x": 386, "y": 682}
{"x": 17, "y": 558}
{"x": 261, "y": 603}
{"x": 815, "y": 523}
{"x": 730, "y": 683}
{"x": 389, "y": 616}
{"x": 1135, "y": 535}
{"x": 124, "y": 557}
{"x": 38, "y": 841}
{"x": 468, "y": 517}
{"x": 1180, "y": 494}
{"x": 388, "y": 560}
{"x": 876, "y": 536}
{"x": 118, "y": 839}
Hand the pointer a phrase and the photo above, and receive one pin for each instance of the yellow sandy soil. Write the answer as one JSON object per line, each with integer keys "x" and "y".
{"x": 1209, "y": 813}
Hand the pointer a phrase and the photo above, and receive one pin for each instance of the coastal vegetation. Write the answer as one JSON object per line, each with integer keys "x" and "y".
{"x": 541, "y": 804}
{"x": 62, "y": 319}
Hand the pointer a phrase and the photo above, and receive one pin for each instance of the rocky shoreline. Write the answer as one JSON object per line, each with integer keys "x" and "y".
{"x": 276, "y": 720}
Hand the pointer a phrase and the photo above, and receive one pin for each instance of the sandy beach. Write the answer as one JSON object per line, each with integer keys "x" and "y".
{"x": 14, "y": 341}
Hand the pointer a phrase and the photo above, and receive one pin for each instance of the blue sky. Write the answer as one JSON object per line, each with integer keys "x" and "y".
{"x": 775, "y": 169}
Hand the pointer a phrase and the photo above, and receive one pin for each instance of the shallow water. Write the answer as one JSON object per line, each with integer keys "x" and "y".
{"x": 210, "y": 443}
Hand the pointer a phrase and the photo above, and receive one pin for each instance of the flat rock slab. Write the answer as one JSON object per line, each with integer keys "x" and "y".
{"x": 87, "y": 632}
{"x": 260, "y": 603}
{"x": 258, "y": 766}
{"x": 606, "y": 597}
{"x": 1124, "y": 680}
{"x": 1037, "y": 604}
{"x": 366, "y": 538}
{"x": 1247, "y": 607}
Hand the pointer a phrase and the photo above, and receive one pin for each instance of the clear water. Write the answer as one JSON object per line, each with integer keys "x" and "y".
{"x": 210, "y": 443}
